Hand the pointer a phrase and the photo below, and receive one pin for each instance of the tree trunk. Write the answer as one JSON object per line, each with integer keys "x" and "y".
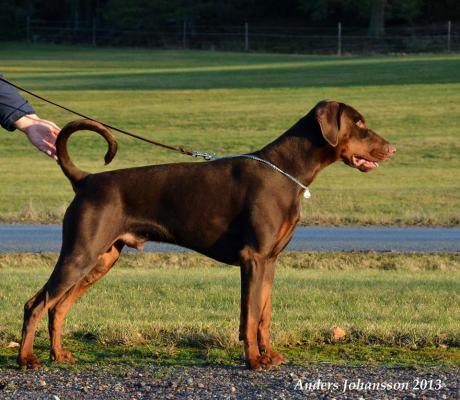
{"x": 74, "y": 11}
{"x": 377, "y": 21}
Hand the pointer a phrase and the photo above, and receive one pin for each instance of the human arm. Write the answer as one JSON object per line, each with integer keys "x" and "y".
{"x": 17, "y": 113}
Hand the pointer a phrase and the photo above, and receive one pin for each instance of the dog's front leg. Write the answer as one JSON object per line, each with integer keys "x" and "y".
{"x": 256, "y": 281}
{"x": 263, "y": 333}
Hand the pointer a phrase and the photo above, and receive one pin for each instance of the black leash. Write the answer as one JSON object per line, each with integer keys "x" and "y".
{"x": 180, "y": 149}
{"x": 206, "y": 156}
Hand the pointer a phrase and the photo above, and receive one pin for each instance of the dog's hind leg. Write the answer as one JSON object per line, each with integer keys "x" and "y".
{"x": 68, "y": 271}
{"x": 57, "y": 313}
{"x": 33, "y": 312}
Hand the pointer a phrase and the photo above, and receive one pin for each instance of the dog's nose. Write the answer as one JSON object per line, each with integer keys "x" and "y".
{"x": 391, "y": 149}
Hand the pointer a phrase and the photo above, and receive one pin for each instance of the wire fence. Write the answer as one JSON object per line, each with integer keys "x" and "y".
{"x": 250, "y": 37}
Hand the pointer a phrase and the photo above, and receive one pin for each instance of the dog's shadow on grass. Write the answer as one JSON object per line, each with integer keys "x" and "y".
{"x": 90, "y": 353}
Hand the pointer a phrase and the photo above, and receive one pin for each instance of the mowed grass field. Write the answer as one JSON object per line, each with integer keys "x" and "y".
{"x": 236, "y": 102}
{"x": 396, "y": 309}
{"x": 184, "y": 308}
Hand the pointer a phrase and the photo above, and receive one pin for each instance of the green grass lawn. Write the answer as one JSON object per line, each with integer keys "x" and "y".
{"x": 395, "y": 308}
{"x": 236, "y": 102}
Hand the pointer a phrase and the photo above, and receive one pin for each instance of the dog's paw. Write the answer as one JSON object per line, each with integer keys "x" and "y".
{"x": 262, "y": 362}
{"x": 62, "y": 356}
{"x": 266, "y": 361}
{"x": 277, "y": 358}
{"x": 30, "y": 362}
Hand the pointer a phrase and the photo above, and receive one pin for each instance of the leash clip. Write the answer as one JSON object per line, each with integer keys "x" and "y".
{"x": 204, "y": 155}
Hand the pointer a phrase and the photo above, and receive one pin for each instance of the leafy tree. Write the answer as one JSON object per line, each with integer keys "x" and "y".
{"x": 147, "y": 15}
{"x": 377, "y": 18}
{"x": 12, "y": 20}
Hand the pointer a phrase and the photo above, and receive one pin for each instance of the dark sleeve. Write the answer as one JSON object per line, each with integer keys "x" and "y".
{"x": 12, "y": 106}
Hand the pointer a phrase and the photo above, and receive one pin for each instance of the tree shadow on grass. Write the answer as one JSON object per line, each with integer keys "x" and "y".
{"x": 303, "y": 75}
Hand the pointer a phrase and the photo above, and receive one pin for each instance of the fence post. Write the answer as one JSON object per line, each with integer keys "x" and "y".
{"x": 28, "y": 28}
{"x": 184, "y": 34}
{"x": 246, "y": 36}
{"x": 449, "y": 31}
{"x": 93, "y": 32}
{"x": 339, "y": 39}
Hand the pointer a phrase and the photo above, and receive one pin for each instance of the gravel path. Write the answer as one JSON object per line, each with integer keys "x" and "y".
{"x": 293, "y": 382}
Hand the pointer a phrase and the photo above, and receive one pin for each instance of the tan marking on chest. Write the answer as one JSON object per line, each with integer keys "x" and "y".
{"x": 286, "y": 227}
{"x": 284, "y": 235}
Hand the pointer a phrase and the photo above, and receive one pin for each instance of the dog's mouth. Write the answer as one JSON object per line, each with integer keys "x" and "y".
{"x": 363, "y": 164}
{"x": 371, "y": 160}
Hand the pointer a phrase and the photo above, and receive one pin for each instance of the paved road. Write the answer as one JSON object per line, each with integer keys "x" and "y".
{"x": 47, "y": 238}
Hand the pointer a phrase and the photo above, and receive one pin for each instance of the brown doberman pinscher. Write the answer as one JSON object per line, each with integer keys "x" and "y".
{"x": 238, "y": 211}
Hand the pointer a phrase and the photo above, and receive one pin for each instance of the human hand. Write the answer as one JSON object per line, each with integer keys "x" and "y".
{"x": 41, "y": 133}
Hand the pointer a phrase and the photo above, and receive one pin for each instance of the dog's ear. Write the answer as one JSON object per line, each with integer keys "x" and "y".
{"x": 328, "y": 117}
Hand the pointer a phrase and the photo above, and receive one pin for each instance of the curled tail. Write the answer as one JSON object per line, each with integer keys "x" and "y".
{"x": 70, "y": 170}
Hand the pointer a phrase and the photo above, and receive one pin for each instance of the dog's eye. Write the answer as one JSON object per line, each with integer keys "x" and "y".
{"x": 363, "y": 133}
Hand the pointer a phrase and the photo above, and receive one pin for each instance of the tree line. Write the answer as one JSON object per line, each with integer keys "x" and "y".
{"x": 144, "y": 15}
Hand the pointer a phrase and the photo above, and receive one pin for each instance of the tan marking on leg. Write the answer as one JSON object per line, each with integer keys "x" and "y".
{"x": 58, "y": 313}
{"x": 33, "y": 312}
{"x": 263, "y": 335}
{"x": 256, "y": 280}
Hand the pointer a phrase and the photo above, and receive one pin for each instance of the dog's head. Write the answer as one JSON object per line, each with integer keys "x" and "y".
{"x": 345, "y": 129}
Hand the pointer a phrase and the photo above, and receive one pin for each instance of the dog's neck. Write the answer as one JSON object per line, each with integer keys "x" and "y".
{"x": 301, "y": 151}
